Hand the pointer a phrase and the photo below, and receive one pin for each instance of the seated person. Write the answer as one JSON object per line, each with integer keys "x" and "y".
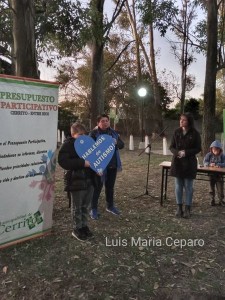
{"x": 216, "y": 158}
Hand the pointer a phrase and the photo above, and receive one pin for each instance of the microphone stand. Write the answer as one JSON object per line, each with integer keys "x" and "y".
{"x": 146, "y": 193}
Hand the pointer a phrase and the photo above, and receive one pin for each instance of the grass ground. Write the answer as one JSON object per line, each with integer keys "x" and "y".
{"x": 137, "y": 255}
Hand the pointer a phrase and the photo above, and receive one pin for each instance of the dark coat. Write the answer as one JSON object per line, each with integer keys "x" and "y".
{"x": 185, "y": 167}
{"x": 76, "y": 176}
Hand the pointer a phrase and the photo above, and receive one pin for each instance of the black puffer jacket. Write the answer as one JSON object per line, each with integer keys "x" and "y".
{"x": 185, "y": 167}
{"x": 76, "y": 176}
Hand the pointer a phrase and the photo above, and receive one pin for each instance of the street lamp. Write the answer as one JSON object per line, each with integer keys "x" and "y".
{"x": 142, "y": 93}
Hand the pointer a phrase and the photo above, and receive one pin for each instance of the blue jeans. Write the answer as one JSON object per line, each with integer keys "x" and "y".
{"x": 109, "y": 189}
{"x": 187, "y": 185}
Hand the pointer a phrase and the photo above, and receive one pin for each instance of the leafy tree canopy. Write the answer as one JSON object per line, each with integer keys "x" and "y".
{"x": 61, "y": 28}
{"x": 66, "y": 117}
{"x": 158, "y": 12}
{"x": 61, "y": 25}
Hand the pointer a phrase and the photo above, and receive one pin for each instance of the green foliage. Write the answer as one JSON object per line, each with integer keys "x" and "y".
{"x": 192, "y": 106}
{"x": 5, "y": 33}
{"x": 119, "y": 80}
{"x": 97, "y": 20}
{"x": 123, "y": 20}
{"x": 158, "y": 12}
{"x": 165, "y": 99}
{"x": 66, "y": 116}
{"x": 59, "y": 26}
{"x": 76, "y": 84}
{"x": 220, "y": 103}
{"x": 172, "y": 114}
{"x": 200, "y": 34}
{"x": 220, "y": 94}
{"x": 61, "y": 29}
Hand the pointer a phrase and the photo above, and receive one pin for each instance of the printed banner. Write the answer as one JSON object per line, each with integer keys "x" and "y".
{"x": 28, "y": 141}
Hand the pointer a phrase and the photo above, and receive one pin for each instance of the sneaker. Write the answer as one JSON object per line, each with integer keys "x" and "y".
{"x": 94, "y": 214}
{"x": 113, "y": 210}
{"x": 87, "y": 232}
{"x": 79, "y": 234}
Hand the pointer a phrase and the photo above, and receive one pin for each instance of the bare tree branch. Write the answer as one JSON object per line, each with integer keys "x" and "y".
{"x": 118, "y": 57}
{"x": 115, "y": 15}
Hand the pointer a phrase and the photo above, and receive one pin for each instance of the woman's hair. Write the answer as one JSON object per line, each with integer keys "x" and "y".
{"x": 77, "y": 128}
{"x": 190, "y": 119}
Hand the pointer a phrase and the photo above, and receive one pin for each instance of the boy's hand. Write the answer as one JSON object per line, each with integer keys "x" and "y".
{"x": 181, "y": 153}
{"x": 212, "y": 165}
{"x": 86, "y": 164}
{"x": 99, "y": 172}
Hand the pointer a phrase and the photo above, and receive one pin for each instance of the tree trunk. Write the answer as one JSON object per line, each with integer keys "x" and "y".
{"x": 158, "y": 123}
{"x": 208, "y": 126}
{"x": 97, "y": 96}
{"x": 133, "y": 24}
{"x": 24, "y": 38}
{"x": 184, "y": 58}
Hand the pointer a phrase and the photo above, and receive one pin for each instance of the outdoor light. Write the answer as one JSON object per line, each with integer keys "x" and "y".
{"x": 142, "y": 93}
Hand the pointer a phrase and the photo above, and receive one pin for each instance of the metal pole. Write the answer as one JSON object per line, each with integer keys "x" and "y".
{"x": 142, "y": 93}
{"x": 142, "y": 121}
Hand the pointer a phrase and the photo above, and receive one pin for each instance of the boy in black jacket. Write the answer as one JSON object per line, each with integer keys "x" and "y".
{"x": 78, "y": 180}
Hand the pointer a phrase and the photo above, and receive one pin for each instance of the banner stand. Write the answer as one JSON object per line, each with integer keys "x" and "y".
{"x": 35, "y": 236}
